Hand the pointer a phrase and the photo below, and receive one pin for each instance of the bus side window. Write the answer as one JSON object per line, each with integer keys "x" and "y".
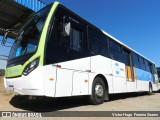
{"x": 135, "y": 60}
{"x": 126, "y": 57}
{"x": 116, "y": 51}
{"x": 98, "y": 43}
{"x": 54, "y": 38}
{"x": 158, "y": 73}
{"x": 75, "y": 39}
{"x": 147, "y": 65}
{"x": 151, "y": 68}
{"x": 142, "y": 65}
{"x": 154, "y": 69}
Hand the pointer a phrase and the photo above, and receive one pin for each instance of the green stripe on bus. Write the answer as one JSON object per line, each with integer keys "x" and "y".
{"x": 44, "y": 33}
{"x": 17, "y": 70}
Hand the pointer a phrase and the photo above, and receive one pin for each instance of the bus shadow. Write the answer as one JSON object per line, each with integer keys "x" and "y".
{"x": 158, "y": 91}
{"x": 119, "y": 96}
{"x": 47, "y": 104}
{"x": 54, "y": 104}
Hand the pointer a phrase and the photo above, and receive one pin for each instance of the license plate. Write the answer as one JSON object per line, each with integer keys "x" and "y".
{"x": 10, "y": 87}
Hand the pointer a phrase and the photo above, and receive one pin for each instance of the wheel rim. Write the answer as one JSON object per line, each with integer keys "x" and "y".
{"x": 99, "y": 91}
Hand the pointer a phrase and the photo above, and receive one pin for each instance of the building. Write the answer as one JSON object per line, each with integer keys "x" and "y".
{"x": 12, "y": 14}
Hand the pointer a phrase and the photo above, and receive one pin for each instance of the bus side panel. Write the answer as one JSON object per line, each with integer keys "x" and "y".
{"x": 49, "y": 72}
{"x": 101, "y": 65}
{"x": 142, "y": 85}
{"x": 119, "y": 77}
{"x": 80, "y": 83}
{"x": 64, "y": 82}
{"x": 110, "y": 83}
{"x": 70, "y": 74}
{"x": 143, "y": 78}
{"x": 131, "y": 86}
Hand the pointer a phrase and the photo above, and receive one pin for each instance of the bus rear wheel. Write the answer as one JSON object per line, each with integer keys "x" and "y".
{"x": 98, "y": 91}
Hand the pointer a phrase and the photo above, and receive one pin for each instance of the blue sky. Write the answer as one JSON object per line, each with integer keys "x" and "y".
{"x": 134, "y": 22}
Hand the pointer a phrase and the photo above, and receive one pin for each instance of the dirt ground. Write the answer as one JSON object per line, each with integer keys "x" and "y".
{"x": 118, "y": 102}
{"x": 5, "y": 97}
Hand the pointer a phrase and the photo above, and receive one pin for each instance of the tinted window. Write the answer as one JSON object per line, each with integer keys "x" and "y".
{"x": 63, "y": 48}
{"x": 54, "y": 42}
{"x": 135, "y": 60}
{"x": 158, "y": 72}
{"x": 75, "y": 39}
{"x": 73, "y": 42}
{"x": 116, "y": 51}
{"x": 142, "y": 65}
{"x": 154, "y": 69}
{"x": 147, "y": 65}
{"x": 126, "y": 57}
{"x": 97, "y": 41}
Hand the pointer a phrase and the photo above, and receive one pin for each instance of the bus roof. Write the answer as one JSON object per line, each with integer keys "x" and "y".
{"x": 125, "y": 45}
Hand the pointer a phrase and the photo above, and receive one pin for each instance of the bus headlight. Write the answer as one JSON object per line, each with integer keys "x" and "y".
{"x": 30, "y": 67}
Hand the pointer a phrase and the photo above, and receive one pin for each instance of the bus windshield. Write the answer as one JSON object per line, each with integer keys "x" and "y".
{"x": 28, "y": 38}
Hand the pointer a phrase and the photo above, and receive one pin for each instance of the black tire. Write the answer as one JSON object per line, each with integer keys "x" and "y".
{"x": 98, "y": 91}
{"x": 150, "y": 89}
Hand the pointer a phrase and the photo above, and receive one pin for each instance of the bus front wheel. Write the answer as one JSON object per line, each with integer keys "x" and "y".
{"x": 98, "y": 91}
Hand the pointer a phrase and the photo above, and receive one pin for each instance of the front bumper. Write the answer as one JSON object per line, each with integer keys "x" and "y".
{"x": 31, "y": 84}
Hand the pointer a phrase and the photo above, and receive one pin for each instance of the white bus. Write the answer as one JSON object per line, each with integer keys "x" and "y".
{"x": 57, "y": 53}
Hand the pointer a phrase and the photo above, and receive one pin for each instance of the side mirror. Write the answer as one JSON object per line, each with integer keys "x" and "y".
{"x": 66, "y": 29}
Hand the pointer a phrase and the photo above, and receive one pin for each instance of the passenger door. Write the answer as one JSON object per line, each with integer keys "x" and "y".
{"x": 130, "y": 73}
